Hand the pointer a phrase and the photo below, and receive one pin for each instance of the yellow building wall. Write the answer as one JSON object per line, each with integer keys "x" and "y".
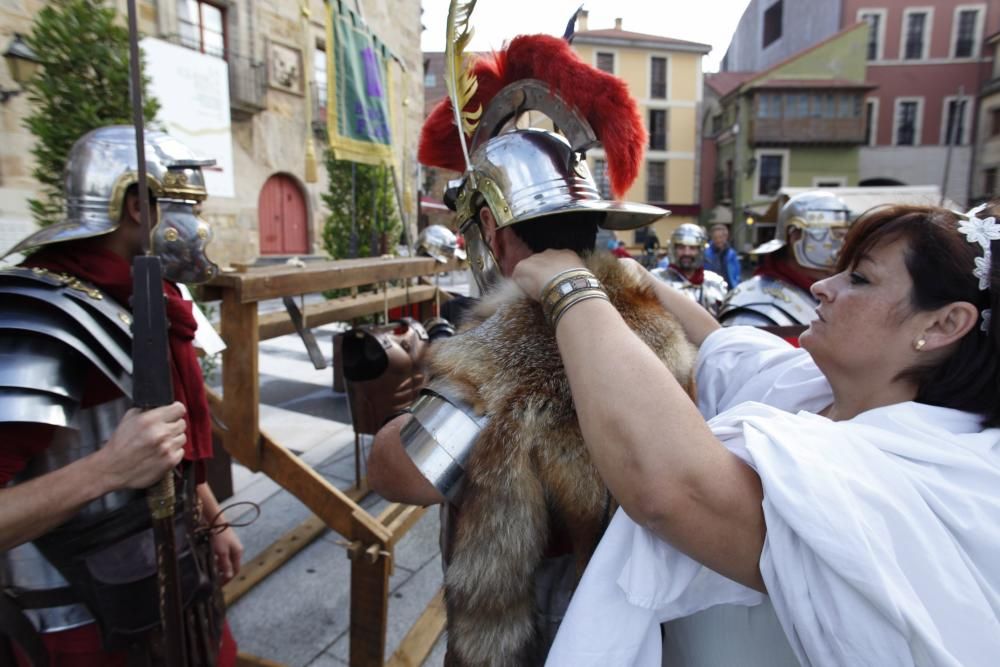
{"x": 683, "y": 88}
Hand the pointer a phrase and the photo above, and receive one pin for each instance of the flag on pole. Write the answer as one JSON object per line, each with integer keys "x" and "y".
{"x": 358, "y": 112}
{"x": 571, "y": 26}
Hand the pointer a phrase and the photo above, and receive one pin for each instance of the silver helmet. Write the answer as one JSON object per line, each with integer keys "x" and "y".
{"x": 99, "y": 170}
{"x": 690, "y": 235}
{"x": 439, "y": 242}
{"x": 523, "y": 175}
{"x": 823, "y": 218}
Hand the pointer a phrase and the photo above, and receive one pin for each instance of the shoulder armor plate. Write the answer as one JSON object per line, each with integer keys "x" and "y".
{"x": 47, "y": 321}
{"x": 783, "y": 304}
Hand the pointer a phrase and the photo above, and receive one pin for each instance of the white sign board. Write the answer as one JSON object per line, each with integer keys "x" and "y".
{"x": 193, "y": 91}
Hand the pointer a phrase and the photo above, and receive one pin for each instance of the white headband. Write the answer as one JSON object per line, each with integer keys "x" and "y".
{"x": 982, "y": 231}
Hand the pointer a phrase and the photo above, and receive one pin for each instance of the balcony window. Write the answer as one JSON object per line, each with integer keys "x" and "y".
{"x": 319, "y": 76}
{"x": 954, "y": 130}
{"x": 906, "y": 123}
{"x": 874, "y": 21}
{"x": 916, "y": 24}
{"x": 770, "y": 173}
{"x": 769, "y": 106}
{"x": 657, "y": 129}
{"x": 871, "y": 117}
{"x": 965, "y": 33}
{"x": 656, "y": 181}
{"x": 606, "y": 62}
{"x": 202, "y": 27}
{"x": 995, "y": 122}
{"x": 658, "y": 78}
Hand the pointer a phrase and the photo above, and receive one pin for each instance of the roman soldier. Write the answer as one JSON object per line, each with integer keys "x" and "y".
{"x": 78, "y": 570}
{"x": 686, "y": 270}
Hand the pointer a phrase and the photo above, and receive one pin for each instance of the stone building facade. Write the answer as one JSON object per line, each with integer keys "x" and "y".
{"x": 274, "y": 54}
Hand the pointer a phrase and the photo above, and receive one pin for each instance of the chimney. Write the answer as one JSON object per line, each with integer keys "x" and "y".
{"x": 618, "y": 24}
{"x": 581, "y": 21}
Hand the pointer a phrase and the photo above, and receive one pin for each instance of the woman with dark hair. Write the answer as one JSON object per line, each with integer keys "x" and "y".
{"x": 840, "y": 504}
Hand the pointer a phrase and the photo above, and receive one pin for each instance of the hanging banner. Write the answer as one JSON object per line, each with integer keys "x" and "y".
{"x": 358, "y": 112}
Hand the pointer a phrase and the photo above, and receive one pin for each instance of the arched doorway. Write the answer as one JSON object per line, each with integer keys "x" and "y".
{"x": 282, "y": 216}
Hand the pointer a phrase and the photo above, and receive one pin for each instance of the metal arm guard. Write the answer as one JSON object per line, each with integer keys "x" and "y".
{"x": 440, "y": 437}
{"x": 50, "y": 325}
{"x": 767, "y": 301}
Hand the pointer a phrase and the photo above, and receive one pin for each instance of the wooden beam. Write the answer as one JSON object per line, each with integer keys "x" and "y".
{"x": 345, "y": 308}
{"x": 333, "y": 506}
{"x": 240, "y": 384}
{"x": 276, "y": 281}
{"x": 279, "y": 552}
{"x": 419, "y": 641}
{"x": 369, "y": 608}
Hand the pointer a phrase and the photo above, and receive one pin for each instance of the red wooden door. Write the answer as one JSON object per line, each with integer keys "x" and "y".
{"x": 281, "y": 209}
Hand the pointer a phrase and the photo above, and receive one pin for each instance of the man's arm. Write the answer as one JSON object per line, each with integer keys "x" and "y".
{"x": 391, "y": 472}
{"x": 141, "y": 450}
{"x": 226, "y": 544}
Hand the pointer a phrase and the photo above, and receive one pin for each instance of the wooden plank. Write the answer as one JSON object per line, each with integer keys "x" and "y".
{"x": 279, "y": 552}
{"x": 273, "y": 557}
{"x": 240, "y": 384}
{"x": 337, "y": 510}
{"x": 282, "y": 280}
{"x": 419, "y": 641}
{"x": 369, "y": 608}
{"x": 402, "y": 521}
{"x": 343, "y": 309}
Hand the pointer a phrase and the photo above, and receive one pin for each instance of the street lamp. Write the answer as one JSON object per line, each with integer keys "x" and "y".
{"x": 22, "y": 63}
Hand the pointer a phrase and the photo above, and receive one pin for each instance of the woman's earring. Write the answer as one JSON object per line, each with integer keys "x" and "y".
{"x": 919, "y": 345}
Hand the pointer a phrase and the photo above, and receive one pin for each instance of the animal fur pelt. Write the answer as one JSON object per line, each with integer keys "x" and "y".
{"x": 530, "y": 466}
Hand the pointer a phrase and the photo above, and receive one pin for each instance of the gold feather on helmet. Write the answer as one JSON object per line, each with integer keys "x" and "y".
{"x": 462, "y": 84}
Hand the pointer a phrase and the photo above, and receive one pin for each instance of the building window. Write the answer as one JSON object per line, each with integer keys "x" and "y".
{"x": 656, "y": 181}
{"x": 995, "y": 122}
{"x": 770, "y": 173}
{"x": 874, "y": 21}
{"x": 966, "y": 33}
{"x": 990, "y": 182}
{"x": 953, "y": 130}
{"x": 606, "y": 62}
{"x": 914, "y": 35}
{"x": 658, "y": 78}
{"x": 601, "y": 178}
{"x": 768, "y": 105}
{"x": 657, "y": 129}
{"x": 871, "y": 118}
{"x": 907, "y": 121}
{"x": 202, "y": 27}
{"x": 319, "y": 75}
{"x": 772, "y": 24}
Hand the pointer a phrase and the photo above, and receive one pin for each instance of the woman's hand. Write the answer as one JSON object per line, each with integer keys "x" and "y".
{"x": 533, "y": 273}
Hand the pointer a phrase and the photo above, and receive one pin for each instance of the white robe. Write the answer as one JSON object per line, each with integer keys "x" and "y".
{"x": 883, "y": 532}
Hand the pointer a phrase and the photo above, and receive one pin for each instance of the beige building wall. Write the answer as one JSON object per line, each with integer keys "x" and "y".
{"x": 684, "y": 93}
{"x": 266, "y": 142}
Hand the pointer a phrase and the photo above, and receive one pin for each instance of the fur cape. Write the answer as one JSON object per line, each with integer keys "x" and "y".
{"x": 530, "y": 468}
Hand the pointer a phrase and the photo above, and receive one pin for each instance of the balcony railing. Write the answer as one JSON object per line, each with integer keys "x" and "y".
{"x": 784, "y": 131}
{"x": 318, "y": 109}
{"x": 247, "y": 85}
